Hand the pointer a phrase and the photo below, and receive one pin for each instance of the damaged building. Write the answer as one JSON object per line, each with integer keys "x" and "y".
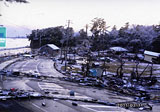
{"x": 49, "y": 49}
{"x": 152, "y": 57}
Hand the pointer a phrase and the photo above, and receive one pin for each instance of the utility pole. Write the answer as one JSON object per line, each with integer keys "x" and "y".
{"x": 66, "y": 50}
{"x": 68, "y": 23}
{"x": 86, "y": 29}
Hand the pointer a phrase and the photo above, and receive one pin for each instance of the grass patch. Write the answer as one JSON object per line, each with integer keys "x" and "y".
{"x": 128, "y": 68}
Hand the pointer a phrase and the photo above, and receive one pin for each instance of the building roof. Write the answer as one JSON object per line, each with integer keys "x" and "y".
{"x": 152, "y": 53}
{"x": 53, "y": 46}
{"x": 118, "y": 49}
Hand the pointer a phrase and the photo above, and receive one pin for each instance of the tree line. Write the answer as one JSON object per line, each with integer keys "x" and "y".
{"x": 132, "y": 37}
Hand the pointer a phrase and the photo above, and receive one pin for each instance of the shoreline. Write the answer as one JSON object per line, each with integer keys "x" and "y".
{"x": 14, "y": 51}
{"x": 3, "y": 49}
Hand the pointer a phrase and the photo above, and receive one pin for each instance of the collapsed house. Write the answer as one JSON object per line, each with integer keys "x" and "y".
{"x": 152, "y": 57}
{"x": 49, "y": 49}
{"x": 118, "y": 50}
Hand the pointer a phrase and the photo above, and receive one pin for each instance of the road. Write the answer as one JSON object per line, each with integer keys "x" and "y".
{"x": 57, "y": 88}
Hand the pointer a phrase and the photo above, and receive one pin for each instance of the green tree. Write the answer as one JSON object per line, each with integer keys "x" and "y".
{"x": 119, "y": 42}
{"x": 98, "y": 30}
{"x": 124, "y": 31}
{"x": 83, "y": 34}
{"x": 98, "y": 27}
{"x": 156, "y": 44}
{"x": 135, "y": 45}
{"x": 52, "y": 35}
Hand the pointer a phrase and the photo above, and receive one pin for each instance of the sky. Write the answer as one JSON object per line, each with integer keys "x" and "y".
{"x": 49, "y": 13}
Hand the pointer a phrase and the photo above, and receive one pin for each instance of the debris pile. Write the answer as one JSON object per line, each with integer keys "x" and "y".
{"x": 17, "y": 73}
{"x": 141, "y": 89}
{"x": 135, "y": 83}
{"x": 18, "y": 94}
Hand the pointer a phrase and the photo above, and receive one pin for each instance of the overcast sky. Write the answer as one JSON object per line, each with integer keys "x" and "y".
{"x": 48, "y": 13}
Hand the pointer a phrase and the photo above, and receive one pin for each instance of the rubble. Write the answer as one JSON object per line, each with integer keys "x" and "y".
{"x": 15, "y": 93}
{"x": 133, "y": 84}
{"x": 21, "y": 94}
{"x": 139, "y": 91}
{"x": 139, "y": 88}
{"x": 17, "y": 74}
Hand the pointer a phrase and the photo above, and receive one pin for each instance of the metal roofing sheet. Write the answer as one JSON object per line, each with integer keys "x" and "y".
{"x": 53, "y": 46}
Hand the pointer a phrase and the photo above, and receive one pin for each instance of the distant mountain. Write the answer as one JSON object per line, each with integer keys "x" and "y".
{"x": 17, "y": 31}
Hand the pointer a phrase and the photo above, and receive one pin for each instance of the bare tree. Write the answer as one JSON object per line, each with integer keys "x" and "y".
{"x": 139, "y": 75}
{"x": 120, "y": 69}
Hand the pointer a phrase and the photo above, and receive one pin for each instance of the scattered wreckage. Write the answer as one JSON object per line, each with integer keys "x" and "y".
{"x": 21, "y": 94}
{"x": 18, "y": 94}
{"x": 141, "y": 92}
{"x": 140, "y": 89}
{"x": 87, "y": 81}
{"x": 17, "y": 73}
{"x": 143, "y": 88}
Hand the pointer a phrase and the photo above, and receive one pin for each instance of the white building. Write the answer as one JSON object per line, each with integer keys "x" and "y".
{"x": 152, "y": 57}
{"x": 118, "y": 49}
